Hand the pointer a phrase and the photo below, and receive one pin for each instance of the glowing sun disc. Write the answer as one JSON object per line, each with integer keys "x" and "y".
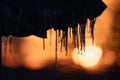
{"x": 89, "y": 58}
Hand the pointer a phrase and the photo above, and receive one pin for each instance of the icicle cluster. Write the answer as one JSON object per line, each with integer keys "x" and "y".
{"x": 75, "y": 32}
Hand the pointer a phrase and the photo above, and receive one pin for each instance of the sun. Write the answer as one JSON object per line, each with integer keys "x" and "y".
{"x": 89, "y": 58}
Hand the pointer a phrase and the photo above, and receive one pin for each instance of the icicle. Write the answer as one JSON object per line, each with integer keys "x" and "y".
{"x": 43, "y": 44}
{"x": 63, "y": 38}
{"x": 5, "y": 46}
{"x": 92, "y": 23}
{"x": 61, "y": 42}
{"x": 10, "y": 42}
{"x": 61, "y": 46}
{"x": 82, "y": 36}
{"x": 64, "y": 41}
{"x": 77, "y": 42}
{"x": 70, "y": 32}
{"x": 59, "y": 36}
{"x": 66, "y": 44}
{"x": 74, "y": 31}
{"x": 58, "y": 32}
{"x": 56, "y": 62}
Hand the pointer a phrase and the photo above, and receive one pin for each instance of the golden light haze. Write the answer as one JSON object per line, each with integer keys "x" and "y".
{"x": 28, "y": 51}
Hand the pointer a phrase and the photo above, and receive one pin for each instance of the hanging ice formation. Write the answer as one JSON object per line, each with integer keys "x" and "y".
{"x": 5, "y": 46}
{"x": 66, "y": 42}
{"x": 59, "y": 36}
{"x": 70, "y": 32}
{"x": 10, "y": 42}
{"x": 92, "y": 23}
{"x": 56, "y": 46}
{"x": 82, "y": 36}
{"x": 61, "y": 42}
{"x": 74, "y": 31}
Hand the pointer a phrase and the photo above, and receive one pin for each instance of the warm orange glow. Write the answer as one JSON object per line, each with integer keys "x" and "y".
{"x": 90, "y": 58}
{"x": 109, "y": 58}
{"x": 28, "y": 51}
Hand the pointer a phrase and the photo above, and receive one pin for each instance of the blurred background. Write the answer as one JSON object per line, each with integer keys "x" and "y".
{"x": 28, "y": 60}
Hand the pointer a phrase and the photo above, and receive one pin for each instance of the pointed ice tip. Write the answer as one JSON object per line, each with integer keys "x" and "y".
{"x": 92, "y": 41}
{"x": 43, "y": 48}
